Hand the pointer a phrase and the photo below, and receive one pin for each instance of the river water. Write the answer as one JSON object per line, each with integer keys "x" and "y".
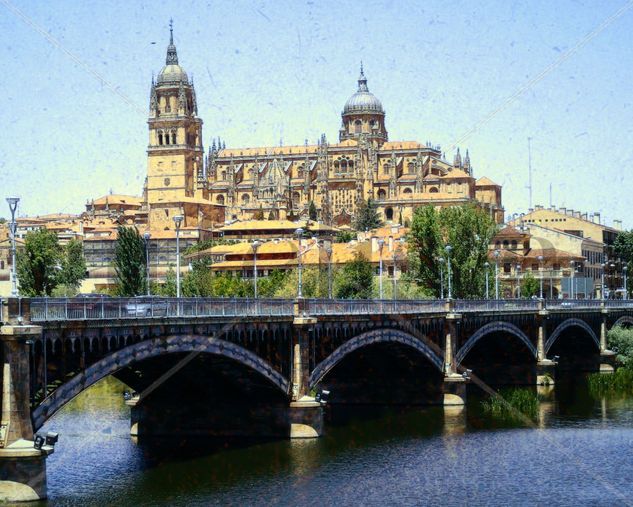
{"x": 579, "y": 452}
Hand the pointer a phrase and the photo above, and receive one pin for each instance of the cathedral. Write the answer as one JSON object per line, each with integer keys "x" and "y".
{"x": 283, "y": 182}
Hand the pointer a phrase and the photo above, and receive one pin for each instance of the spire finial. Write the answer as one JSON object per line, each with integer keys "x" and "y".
{"x": 171, "y": 31}
{"x": 361, "y": 68}
{"x": 362, "y": 80}
{"x": 172, "y": 55}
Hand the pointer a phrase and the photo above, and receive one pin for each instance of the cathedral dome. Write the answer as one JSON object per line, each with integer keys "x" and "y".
{"x": 172, "y": 73}
{"x": 363, "y": 100}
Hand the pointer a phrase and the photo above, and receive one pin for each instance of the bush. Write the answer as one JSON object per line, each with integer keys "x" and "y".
{"x": 620, "y": 341}
{"x": 620, "y": 381}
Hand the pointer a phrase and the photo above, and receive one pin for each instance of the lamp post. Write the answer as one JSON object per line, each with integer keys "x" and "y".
{"x": 602, "y": 281}
{"x": 13, "y": 227}
{"x": 381, "y": 244}
{"x": 395, "y": 281}
{"x": 518, "y": 272}
{"x": 441, "y": 261}
{"x": 178, "y": 222}
{"x": 146, "y": 237}
{"x": 496, "y": 255}
{"x": 626, "y": 292}
{"x": 540, "y": 268}
{"x": 328, "y": 251}
{"x": 299, "y": 233}
{"x": 448, "y": 249}
{"x": 486, "y": 267}
{"x": 255, "y": 244}
{"x": 571, "y": 281}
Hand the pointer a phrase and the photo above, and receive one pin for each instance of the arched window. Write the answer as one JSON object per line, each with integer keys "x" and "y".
{"x": 498, "y": 245}
{"x": 343, "y": 166}
{"x": 382, "y": 194}
{"x": 386, "y": 168}
{"x": 296, "y": 197}
{"x": 251, "y": 174}
{"x": 357, "y": 127}
{"x": 173, "y": 137}
{"x": 389, "y": 213}
{"x": 219, "y": 199}
{"x": 505, "y": 243}
{"x": 350, "y": 164}
{"x": 223, "y": 175}
{"x": 337, "y": 165}
{"x": 245, "y": 199}
{"x": 372, "y": 123}
{"x": 514, "y": 244}
{"x": 408, "y": 191}
{"x": 411, "y": 168}
{"x": 433, "y": 190}
{"x": 160, "y": 138}
{"x": 166, "y": 137}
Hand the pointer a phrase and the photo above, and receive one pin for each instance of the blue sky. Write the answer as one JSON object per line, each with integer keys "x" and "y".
{"x": 266, "y": 71}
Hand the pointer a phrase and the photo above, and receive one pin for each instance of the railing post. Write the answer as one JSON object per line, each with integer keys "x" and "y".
{"x": 46, "y": 308}
{"x": 66, "y": 308}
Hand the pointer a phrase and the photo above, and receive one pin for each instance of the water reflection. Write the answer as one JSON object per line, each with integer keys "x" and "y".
{"x": 370, "y": 455}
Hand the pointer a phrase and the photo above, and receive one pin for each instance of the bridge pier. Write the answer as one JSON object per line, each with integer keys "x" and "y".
{"x": 545, "y": 368}
{"x": 305, "y": 414}
{"x": 607, "y": 357}
{"x": 454, "y": 384}
{"x": 22, "y": 467}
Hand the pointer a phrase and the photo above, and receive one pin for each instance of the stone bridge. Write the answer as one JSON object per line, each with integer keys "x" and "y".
{"x": 253, "y": 366}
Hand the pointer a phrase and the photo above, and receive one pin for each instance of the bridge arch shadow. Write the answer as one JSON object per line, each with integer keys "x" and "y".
{"x": 567, "y": 324}
{"x": 498, "y": 360}
{"x": 149, "y": 349}
{"x": 382, "y": 366}
{"x": 624, "y": 321}
{"x": 576, "y": 345}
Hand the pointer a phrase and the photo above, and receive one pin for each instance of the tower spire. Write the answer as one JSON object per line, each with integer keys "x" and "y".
{"x": 362, "y": 80}
{"x": 172, "y": 55}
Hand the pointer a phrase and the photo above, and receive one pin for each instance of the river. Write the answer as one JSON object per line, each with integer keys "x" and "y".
{"x": 577, "y": 453}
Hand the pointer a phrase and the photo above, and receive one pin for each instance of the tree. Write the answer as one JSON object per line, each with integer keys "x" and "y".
{"x": 73, "y": 267}
{"x": 313, "y": 283}
{"x": 267, "y": 286}
{"x": 623, "y": 247}
{"x": 39, "y": 263}
{"x": 129, "y": 262}
{"x": 530, "y": 286}
{"x": 355, "y": 279}
{"x": 344, "y": 237}
{"x": 259, "y": 214}
{"x": 312, "y": 211}
{"x": 468, "y": 230}
{"x": 367, "y": 217}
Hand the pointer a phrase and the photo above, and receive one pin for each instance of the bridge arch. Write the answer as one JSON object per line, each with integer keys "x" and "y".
{"x": 573, "y": 322}
{"x": 625, "y": 319}
{"x": 494, "y": 327}
{"x": 368, "y": 338}
{"x": 148, "y": 349}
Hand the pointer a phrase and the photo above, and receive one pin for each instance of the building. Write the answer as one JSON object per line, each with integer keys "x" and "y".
{"x": 280, "y": 182}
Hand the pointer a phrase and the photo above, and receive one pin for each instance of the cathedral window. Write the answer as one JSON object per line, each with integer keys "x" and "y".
{"x": 223, "y": 175}
{"x": 160, "y": 138}
{"x": 350, "y": 164}
{"x": 245, "y": 199}
{"x": 382, "y": 194}
{"x": 408, "y": 191}
{"x": 251, "y": 174}
{"x": 343, "y": 166}
{"x": 219, "y": 199}
{"x": 411, "y": 168}
{"x": 337, "y": 166}
{"x": 173, "y": 137}
{"x": 389, "y": 213}
{"x": 433, "y": 190}
{"x": 357, "y": 127}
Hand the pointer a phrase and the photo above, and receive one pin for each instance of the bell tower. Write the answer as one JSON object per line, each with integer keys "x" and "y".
{"x": 175, "y": 153}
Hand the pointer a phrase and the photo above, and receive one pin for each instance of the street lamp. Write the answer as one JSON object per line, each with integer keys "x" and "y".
{"x": 602, "y": 281}
{"x": 146, "y": 237}
{"x": 496, "y": 255}
{"x": 540, "y": 268}
{"x": 255, "y": 244}
{"x": 395, "y": 281}
{"x": 571, "y": 284}
{"x": 518, "y": 271}
{"x": 178, "y": 222}
{"x": 626, "y": 292}
{"x": 448, "y": 249}
{"x": 328, "y": 251}
{"x": 486, "y": 266}
{"x": 299, "y": 233}
{"x": 13, "y": 227}
{"x": 381, "y": 244}
{"x": 441, "y": 261}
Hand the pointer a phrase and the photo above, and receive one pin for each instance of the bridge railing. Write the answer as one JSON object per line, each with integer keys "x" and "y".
{"x": 618, "y": 303}
{"x": 373, "y": 306}
{"x": 53, "y": 309}
{"x": 572, "y": 304}
{"x": 495, "y": 305}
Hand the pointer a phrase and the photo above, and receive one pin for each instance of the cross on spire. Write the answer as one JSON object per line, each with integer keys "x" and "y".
{"x": 172, "y": 55}
{"x": 171, "y": 31}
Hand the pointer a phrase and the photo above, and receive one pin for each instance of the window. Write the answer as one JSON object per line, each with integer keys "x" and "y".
{"x": 507, "y": 267}
{"x": 433, "y": 190}
{"x": 505, "y": 243}
{"x": 514, "y": 244}
{"x": 245, "y": 199}
{"x": 173, "y": 137}
{"x": 357, "y": 127}
{"x": 343, "y": 166}
{"x": 411, "y": 168}
{"x": 382, "y": 194}
{"x": 408, "y": 191}
{"x": 223, "y": 175}
{"x": 220, "y": 199}
{"x": 389, "y": 213}
{"x": 160, "y": 138}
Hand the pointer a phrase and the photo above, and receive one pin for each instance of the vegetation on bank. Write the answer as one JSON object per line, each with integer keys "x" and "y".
{"x": 512, "y": 404}
{"x": 620, "y": 341}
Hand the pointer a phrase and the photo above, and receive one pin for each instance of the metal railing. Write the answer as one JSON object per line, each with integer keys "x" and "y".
{"x": 373, "y": 306}
{"x": 107, "y": 308}
{"x": 496, "y": 305}
{"x": 50, "y": 309}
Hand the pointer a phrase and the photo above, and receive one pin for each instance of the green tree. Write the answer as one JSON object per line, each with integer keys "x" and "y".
{"x": 312, "y": 211}
{"x": 355, "y": 279}
{"x": 344, "y": 237}
{"x": 73, "y": 267}
{"x": 468, "y": 230}
{"x": 620, "y": 341}
{"x": 168, "y": 288}
{"x": 367, "y": 217}
{"x": 39, "y": 263}
{"x": 530, "y": 286}
{"x": 267, "y": 286}
{"x": 623, "y": 247}
{"x": 313, "y": 282}
{"x": 129, "y": 262}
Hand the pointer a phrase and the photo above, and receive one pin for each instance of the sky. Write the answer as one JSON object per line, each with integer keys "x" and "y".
{"x": 486, "y": 75}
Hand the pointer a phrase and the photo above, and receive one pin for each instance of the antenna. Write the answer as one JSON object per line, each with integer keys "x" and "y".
{"x": 530, "y": 171}
{"x": 550, "y": 195}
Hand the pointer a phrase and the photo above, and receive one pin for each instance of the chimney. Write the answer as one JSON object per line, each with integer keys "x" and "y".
{"x": 617, "y": 224}
{"x": 538, "y": 207}
{"x": 596, "y": 217}
{"x": 563, "y": 211}
{"x": 584, "y": 216}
